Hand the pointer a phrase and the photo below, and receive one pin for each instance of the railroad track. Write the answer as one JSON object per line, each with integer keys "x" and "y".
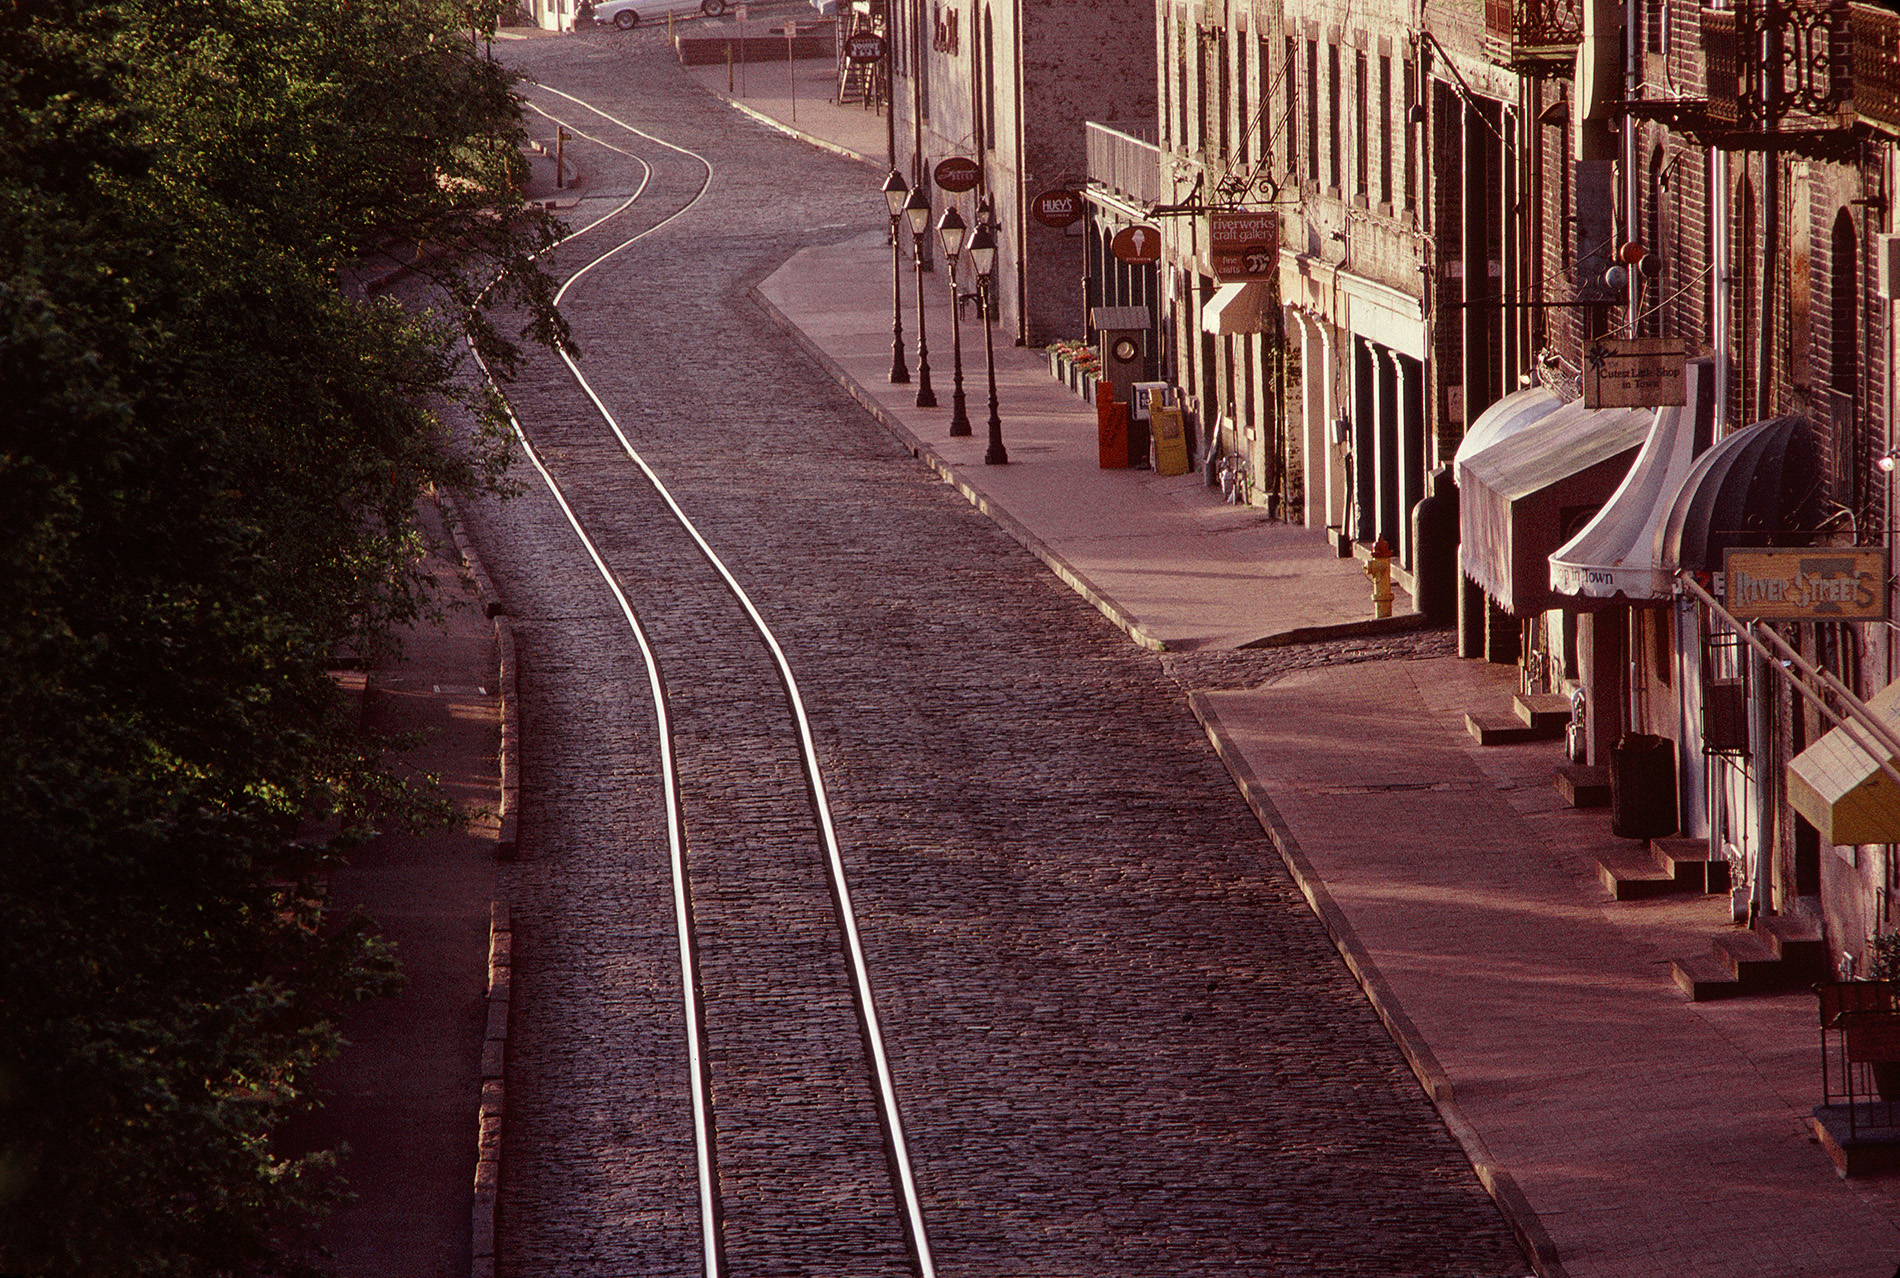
{"x": 802, "y": 1164}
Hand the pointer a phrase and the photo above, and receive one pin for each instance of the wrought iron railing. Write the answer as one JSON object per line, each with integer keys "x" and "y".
{"x": 1127, "y": 162}
{"x": 1528, "y": 34}
{"x": 1774, "y": 63}
{"x": 1876, "y": 53}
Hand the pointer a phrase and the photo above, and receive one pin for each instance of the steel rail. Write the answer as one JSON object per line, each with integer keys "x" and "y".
{"x": 840, "y": 889}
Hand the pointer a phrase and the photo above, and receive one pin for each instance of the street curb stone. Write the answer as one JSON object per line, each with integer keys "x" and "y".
{"x": 1067, "y": 572}
{"x": 1498, "y": 1182}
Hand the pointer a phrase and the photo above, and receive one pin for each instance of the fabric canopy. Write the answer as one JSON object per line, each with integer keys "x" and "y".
{"x": 1236, "y": 308}
{"x": 1618, "y": 555}
{"x": 1525, "y": 495}
{"x": 1760, "y": 486}
{"x": 1503, "y": 419}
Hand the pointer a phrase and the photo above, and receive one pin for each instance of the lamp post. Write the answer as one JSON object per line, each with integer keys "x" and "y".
{"x": 983, "y": 258}
{"x": 917, "y": 209}
{"x": 895, "y": 191}
{"x": 951, "y": 230}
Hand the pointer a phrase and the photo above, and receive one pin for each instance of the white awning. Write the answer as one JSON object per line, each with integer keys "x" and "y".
{"x": 1503, "y": 419}
{"x": 1236, "y": 308}
{"x": 1619, "y": 554}
{"x": 1526, "y": 495}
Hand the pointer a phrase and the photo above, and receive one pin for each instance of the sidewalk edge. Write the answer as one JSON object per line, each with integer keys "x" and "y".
{"x": 781, "y": 126}
{"x": 1069, "y": 574}
{"x": 1497, "y": 1181}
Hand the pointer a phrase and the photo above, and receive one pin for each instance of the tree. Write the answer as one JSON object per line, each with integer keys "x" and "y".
{"x": 209, "y": 464}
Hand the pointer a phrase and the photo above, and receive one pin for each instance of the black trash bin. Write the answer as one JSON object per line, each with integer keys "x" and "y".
{"x": 1642, "y": 787}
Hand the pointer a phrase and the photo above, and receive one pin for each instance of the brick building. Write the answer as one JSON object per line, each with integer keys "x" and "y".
{"x": 1481, "y": 206}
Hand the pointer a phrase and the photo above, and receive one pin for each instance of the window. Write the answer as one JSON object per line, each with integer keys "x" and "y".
{"x": 1332, "y": 117}
{"x": 1362, "y": 110}
{"x": 1290, "y": 124}
{"x": 1312, "y": 110}
{"x": 989, "y": 81}
{"x": 1406, "y": 163}
{"x": 1385, "y": 130}
{"x": 1167, "y": 87}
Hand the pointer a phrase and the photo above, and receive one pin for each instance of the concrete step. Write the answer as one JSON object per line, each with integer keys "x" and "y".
{"x": 1691, "y": 864}
{"x": 1583, "y": 786}
{"x": 1703, "y": 978}
{"x": 1799, "y": 945}
{"x": 1492, "y": 730}
{"x": 1635, "y": 876}
{"x": 1545, "y": 711}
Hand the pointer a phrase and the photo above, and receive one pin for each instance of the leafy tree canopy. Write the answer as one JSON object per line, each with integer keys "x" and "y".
{"x": 210, "y": 454}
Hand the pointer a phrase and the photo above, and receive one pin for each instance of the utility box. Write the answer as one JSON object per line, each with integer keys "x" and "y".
{"x": 1122, "y": 332}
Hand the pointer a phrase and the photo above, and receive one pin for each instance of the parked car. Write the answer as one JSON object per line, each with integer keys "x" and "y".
{"x": 628, "y": 14}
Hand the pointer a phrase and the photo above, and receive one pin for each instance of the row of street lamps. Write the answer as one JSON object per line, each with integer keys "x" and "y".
{"x": 914, "y": 206}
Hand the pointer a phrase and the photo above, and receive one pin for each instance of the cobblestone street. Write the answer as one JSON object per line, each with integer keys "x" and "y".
{"x": 1123, "y": 1043}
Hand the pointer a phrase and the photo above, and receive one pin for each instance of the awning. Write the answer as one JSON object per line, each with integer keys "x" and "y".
{"x": 1236, "y": 308}
{"x": 1618, "y": 555}
{"x": 1760, "y": 486}
{"x": 1503, "y": 419}
{"x": 1526, "y": 495}
{"x": 1839, "y": 788}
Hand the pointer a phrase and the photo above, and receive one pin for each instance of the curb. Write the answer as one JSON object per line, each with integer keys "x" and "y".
{"x": 780, "y": 126}
{"x": 1070, "y": 575}
{"x": 508, "y": 842}
{"x": 494, "y": 1094}
{"x": 1498, "y": 1182}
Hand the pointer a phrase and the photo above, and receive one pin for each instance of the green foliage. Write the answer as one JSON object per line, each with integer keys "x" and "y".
{"x": 209, "y": 461}
{"x": 1883, "y": 957}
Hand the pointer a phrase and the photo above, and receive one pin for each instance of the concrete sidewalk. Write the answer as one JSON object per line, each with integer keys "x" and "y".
{"x": 1625, "y": 1132}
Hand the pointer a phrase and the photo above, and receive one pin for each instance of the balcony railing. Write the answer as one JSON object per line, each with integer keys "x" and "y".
{"x": 1127, "y": 163}
{"x": 1779, "y": 65}
{"x": 1532, "y": 35}
{"x": 1876, "y": 46}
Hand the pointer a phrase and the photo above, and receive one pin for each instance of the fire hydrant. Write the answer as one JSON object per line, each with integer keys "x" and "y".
{"x": 1379, "y": 568}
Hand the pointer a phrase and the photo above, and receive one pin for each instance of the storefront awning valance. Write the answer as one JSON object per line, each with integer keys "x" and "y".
{"x": 1235, "y": 309}
{"x": 1527, "y": 494}
{"x": 1618, "y": 555}
{"x": 1760, "y": 486}
{"x": 1839, "y": 788}
{"x": 1503, "y": 419}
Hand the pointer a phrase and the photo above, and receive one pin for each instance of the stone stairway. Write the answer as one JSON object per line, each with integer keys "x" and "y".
{"x": 1663, "y": 866}
{"x": 1538, "y": 716}
{"x": 1779, "y": 953}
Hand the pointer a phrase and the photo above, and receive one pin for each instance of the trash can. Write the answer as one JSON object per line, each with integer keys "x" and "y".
{"x": 1642, "y": 787}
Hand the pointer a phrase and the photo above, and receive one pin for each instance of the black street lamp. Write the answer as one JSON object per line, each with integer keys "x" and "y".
{"x": 895, "y": 190}
{"x": 983, "y": 258}
{"x": 950, "y": 230}
{"x": 917, "y": 209}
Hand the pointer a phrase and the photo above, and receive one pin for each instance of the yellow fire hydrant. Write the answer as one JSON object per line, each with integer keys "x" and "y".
{"x": 1379, "y": 568}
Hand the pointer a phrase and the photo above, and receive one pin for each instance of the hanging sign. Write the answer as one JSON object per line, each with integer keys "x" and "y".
{"x": 1243, "y": 247}
{"x": 958, "y": 174}
{"x": 1813, "y": 583}
{"x": 1057, "y": 208}
{"x": 1136, "y": 245}
{"x": 1634, "y": 372}
{"x": 865, "y": 47}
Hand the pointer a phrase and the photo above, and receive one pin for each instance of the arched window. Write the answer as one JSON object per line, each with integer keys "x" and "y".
{"x": 1843, "y": 355}
{"x": 1655, "y": 322}
{"x": 1747, "y": 314}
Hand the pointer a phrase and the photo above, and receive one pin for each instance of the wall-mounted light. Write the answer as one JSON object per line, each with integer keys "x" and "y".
{"x": 1886, "y": 461}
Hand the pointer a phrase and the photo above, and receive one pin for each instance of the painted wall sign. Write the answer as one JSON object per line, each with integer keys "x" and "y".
{"x": 1634, "y": 372}
{"x": 1136, "y": 245}
{"x": 1816, "y": 583}
{"x": 868, "y": 47}
{"x": 1057, "y": 208}
{"x": 958, "y": 174}
{"x": 1243, "y": 247}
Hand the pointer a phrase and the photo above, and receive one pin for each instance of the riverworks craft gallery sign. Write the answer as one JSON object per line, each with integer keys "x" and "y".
{"x": 1242, "y": 247}
{"x": 1810, "y": 584}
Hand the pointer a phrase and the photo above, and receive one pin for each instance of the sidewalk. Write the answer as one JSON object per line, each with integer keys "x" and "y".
{"x": 1625, "y": 1132}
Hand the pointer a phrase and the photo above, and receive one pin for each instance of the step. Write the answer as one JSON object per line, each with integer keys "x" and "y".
{"x": 1583, "y": 786}
{"x": 1798, "y": 944}
{"x": 1703, "y": 978}
{"x": 1495, "y": 730}
{"x": 1545, "y": 711}
{"x": 1691, "y": 863}
{"x": 1753, "y": 960}
{"x": 1634, "y": 876}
